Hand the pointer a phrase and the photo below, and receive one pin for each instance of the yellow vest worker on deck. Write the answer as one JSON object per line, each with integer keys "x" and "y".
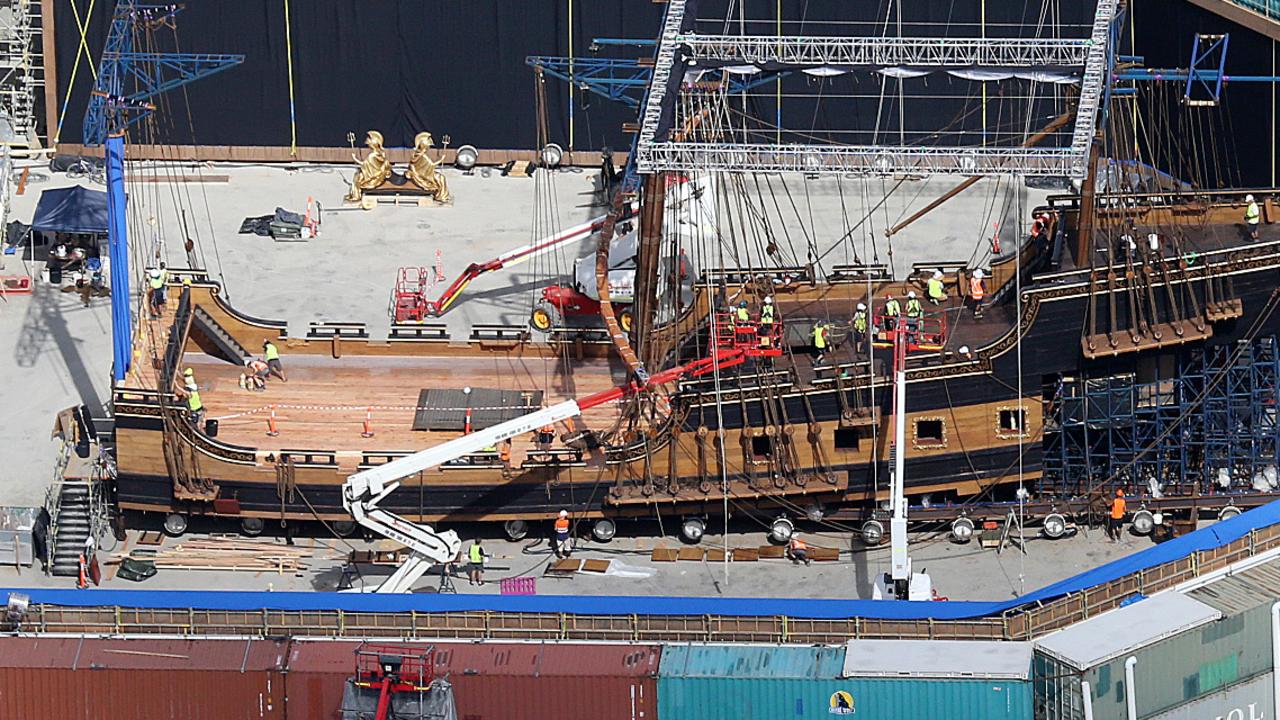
{"x": 936, "y": 291}
{"x": 157, "y": 279}
{"x": 819, "y": 341}
{"x": 1251, "y": 216}
{"x": 892, "y": 311}
{"x": 743, "y": 315}
{"x": 860, "y": 326}
{"x": 272, "y": 356}
{"x": 914, "y": 309}
{"x": 195, "y": 407}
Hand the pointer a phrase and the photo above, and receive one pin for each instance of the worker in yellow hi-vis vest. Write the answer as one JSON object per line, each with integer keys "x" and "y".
{"x": 1252, "y": 217}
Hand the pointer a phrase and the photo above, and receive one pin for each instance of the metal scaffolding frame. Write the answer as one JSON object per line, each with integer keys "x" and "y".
{"x": 21, "y": 70}
{"x": 1207, "y": 427}
{"x": 678, "y": 51}
{"x": 877, "y": 52}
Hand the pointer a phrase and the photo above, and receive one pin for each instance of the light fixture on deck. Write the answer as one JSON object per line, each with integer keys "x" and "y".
{"x": 962, "y": 529}
{"x": 552, "y": 156}
{"x": 466, "y": 158}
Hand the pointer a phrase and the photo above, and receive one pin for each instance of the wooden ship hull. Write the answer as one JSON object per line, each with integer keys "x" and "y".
{"x": 795, "y": 440}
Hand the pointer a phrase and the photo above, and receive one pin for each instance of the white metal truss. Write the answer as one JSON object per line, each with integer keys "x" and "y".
{"x": 21, "y": 69}
{"x": 677, "y": 52}
{"x": 883, "y": 52}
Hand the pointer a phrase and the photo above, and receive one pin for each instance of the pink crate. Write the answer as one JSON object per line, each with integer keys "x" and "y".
{"x": 518, "y": 586}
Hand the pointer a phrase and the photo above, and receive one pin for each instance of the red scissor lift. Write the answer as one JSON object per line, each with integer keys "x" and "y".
{"x": 926, "y": 333}
{"x": 734, "y": 334}
{"x": 389, "y": 671}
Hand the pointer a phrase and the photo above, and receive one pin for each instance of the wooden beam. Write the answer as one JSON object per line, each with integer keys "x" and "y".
{"x": 48, "y": 48}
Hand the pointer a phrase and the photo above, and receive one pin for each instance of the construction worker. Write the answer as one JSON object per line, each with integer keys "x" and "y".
{"x": 157, "y": 279}
{"x": 977, "y": 291}
{"x": 195, "y": 407}
{"x": 563, "y": 547}
{"x": 936, "y": 291}
{"x": 892, "y": 311}
{"x": 820, "y": 338}
{"x": 798, "y": 551}
{"x": 475, "y": 569}
{"x": 1116, "y": 521}
{"x": 272, "y": 356}
{"x": 1251, "y": 216}
{"x": 546, "y": 435}
{"x": 189, "y": 380}
{"x": 860, "y": 326}
{"x": 504, "y": 455}
{"x": 742, "y": 315}
{"x": 255, "y": 374}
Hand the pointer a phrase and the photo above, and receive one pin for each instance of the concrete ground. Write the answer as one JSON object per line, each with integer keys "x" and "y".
{"x": 959, "y": 572}
{"x": 57, "y": 353}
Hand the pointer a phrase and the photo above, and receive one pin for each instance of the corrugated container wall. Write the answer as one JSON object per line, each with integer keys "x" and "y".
{"x": 729, "y": 682}
{"x": 105, "y": 679}
{"x": 498, "y": 681}
{"x": 1250, "y": 700}
{"x": 1169, "y": 671}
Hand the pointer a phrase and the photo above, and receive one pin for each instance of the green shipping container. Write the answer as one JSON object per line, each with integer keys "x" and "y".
{"x": 737, "y": 682}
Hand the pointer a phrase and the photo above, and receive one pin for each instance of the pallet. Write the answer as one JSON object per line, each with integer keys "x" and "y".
{"x": 563, "y": 567}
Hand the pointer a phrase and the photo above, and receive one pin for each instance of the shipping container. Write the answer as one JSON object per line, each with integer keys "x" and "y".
{"x": 497, "y": 681}
{"x": 892, "y": 680}
{"x": 112, "y": 679}
{"x": 1250, "y": 700}
{"x": 1178, "y": 646}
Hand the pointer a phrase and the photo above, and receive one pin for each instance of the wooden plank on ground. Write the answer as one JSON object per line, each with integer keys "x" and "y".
{"x": 715, "y": 555}
{"x": 596, "y": 566}
{"x": 564, "y": 566}
{"x": 746, "y": 554}
{"x": 772, "y": 552}
{"x": 151, "y": 537}
{"x": 664, "y": 555}
{"x": 824, "y": 554}
{"x": 692, "y": 553}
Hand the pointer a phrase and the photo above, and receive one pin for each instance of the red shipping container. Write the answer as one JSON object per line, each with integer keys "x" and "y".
{"x": 497, "y": 681}
{"x": 113, "y": 679}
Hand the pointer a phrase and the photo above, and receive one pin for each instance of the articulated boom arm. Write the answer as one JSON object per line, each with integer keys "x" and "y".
{"x": 364, "y": 490}
{"x": 513, "y": 257}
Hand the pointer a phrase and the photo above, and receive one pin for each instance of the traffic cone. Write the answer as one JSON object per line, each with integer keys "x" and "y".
{"x": 83, "y": 581}
{"x": 272, "y": 431}
{"x": 368, "y": 424}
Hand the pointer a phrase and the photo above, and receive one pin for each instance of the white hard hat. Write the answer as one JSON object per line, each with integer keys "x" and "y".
{"x": 564, "y": 513}
{"x": 862, "y": 306}
{"x": 937, "y": 274}
{"x": 768, "y": 300}
{"x": 978, "y": 273}
{"x": 964, "y": 349}
{"x": 154, "y": 272}
{"x": 1248, "y": 198}
{"x": 911, "y": 293}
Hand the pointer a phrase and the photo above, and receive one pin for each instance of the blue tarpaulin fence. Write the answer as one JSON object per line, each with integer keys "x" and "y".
{"x": 1205, "y": 539}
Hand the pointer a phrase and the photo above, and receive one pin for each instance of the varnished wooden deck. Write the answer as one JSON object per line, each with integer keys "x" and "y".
{"x": 324, "y": 403}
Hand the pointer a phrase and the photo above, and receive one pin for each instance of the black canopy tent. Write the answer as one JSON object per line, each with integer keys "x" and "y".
{"x": 73, "y": 209}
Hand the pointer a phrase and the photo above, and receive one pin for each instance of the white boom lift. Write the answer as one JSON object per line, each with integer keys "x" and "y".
{"x": 364, "y": 490}
{"x": 900, "y": 582}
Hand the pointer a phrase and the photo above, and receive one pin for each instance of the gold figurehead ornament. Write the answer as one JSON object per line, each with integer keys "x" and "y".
{"x": 422, "y": 169}
{"x": 374, "y": 169}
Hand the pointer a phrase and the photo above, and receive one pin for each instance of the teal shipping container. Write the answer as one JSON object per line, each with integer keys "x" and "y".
{"x": 745, "y": 682}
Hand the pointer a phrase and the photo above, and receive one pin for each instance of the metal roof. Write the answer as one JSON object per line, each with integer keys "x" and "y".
{"x": 751, "y": 661}
{"x": 959, "y": 659}
{"x": 1114, "y": 633}
{"x": 1243, "y": 590}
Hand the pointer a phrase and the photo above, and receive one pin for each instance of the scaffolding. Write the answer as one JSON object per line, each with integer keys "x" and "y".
{"x": 21, "y": 71}
{"x": 1206, "y": 426}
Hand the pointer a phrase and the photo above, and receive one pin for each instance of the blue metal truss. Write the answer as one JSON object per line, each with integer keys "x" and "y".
{"x": 128, "y": 81}
{"x": 1210, "y": 50}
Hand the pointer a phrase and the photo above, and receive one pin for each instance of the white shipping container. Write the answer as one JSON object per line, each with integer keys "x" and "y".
{"x": 1250, "y": 700}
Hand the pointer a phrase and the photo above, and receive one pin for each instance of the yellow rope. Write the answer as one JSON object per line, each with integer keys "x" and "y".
{"x": 293, "y": 122}
{"x": 83, "y": 50}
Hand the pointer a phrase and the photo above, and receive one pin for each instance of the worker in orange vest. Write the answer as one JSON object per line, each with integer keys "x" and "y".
{"x": 504, "y": 454}
{"x": 977, "y": 292}
{"x": 563, "y": 546}
{"x": 798, "y": 551}
{"x": 1116, "y": 521}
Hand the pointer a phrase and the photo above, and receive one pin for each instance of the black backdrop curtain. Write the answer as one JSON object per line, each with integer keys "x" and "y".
{"x": 399, "y": 66}
{"x": 457, "y": 67}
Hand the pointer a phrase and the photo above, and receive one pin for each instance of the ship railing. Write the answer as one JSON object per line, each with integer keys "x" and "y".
{"x": 53, "y": 499}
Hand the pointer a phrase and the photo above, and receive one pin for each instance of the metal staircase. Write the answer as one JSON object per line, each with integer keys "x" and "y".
{"x": 77, "y": 510}
{"x": 1260, "y": 16}
{"x": 226, "y": 345}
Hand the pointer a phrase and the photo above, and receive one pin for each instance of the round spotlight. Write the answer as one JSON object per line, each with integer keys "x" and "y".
{"x": 466, "y": 158}
{"x": 1228, "y": 512}
{"x": 781, "y": 529}
{"x": 693, "y": 529}
{"x": 815, "y": 512}
{"x": 1055, "y": 526}
{"x": 552, "y": 155}
{"x": 604, "y": 529}
{"x": 1143, "y": 522}
{"x": 872, "y": 532}
{"x": 962, "y": 529}
{"x": 516, "y": 529}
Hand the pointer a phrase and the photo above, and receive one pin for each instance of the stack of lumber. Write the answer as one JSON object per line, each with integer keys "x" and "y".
{"x": 237, "y": 554}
